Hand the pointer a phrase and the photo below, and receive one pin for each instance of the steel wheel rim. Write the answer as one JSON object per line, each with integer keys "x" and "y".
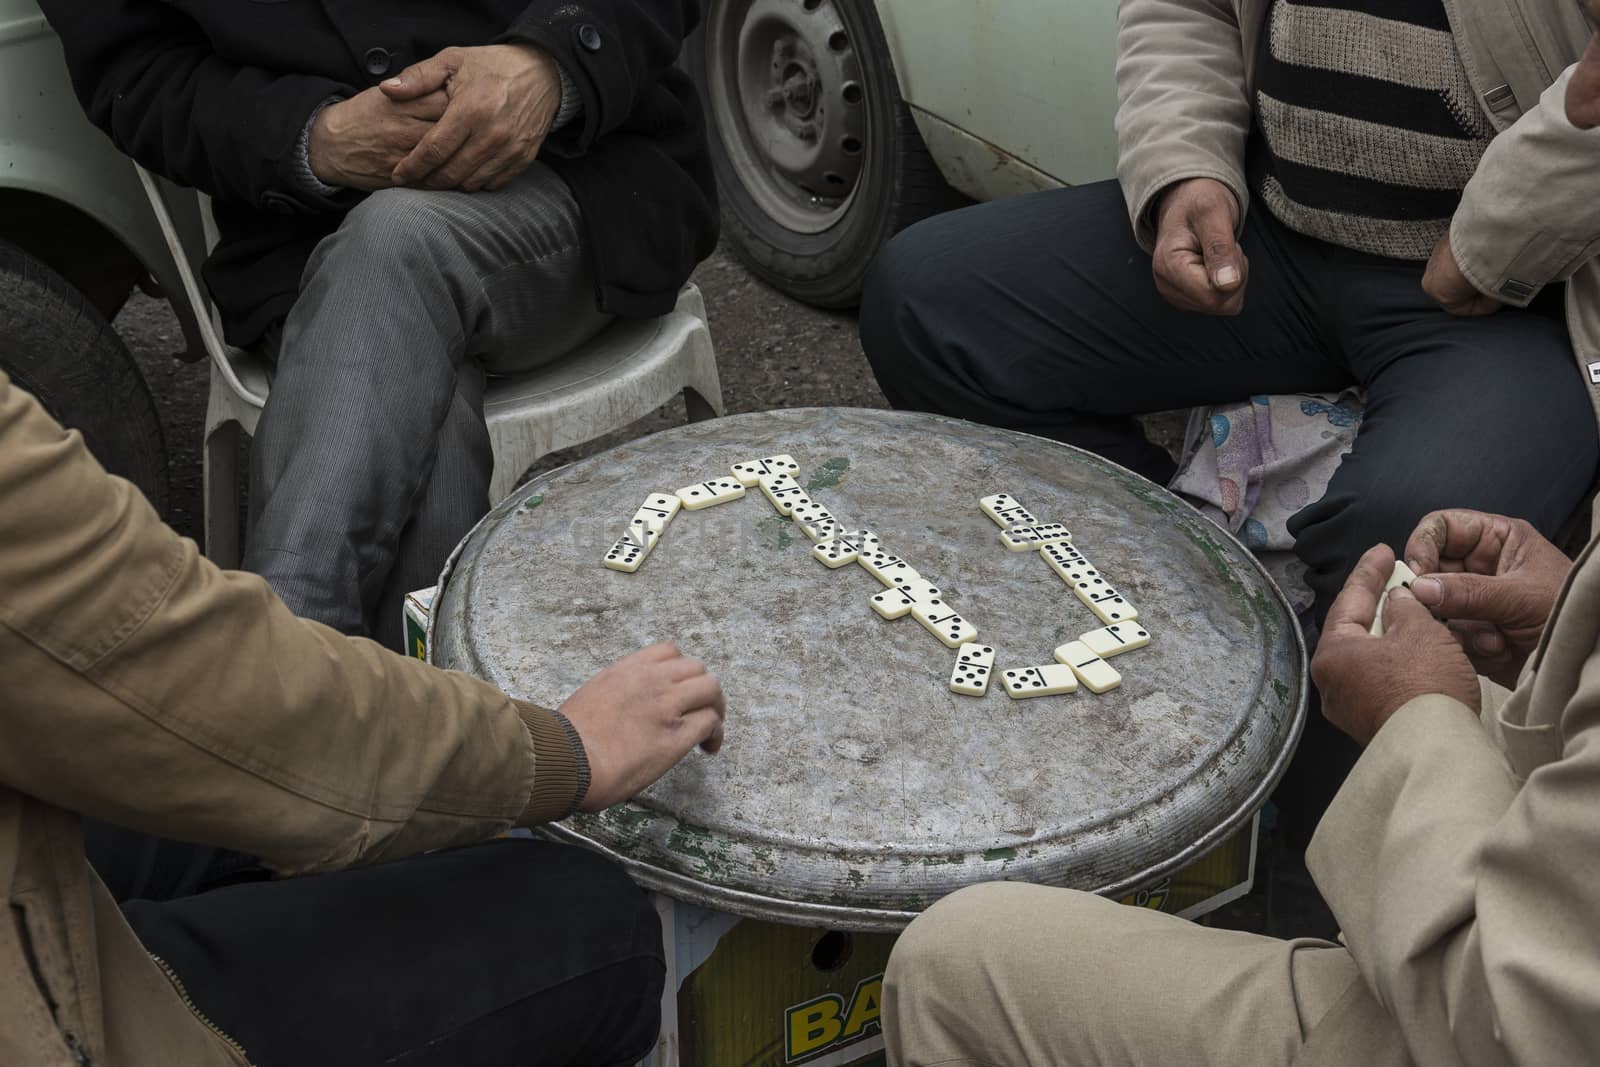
{"x": 789, "y": 102}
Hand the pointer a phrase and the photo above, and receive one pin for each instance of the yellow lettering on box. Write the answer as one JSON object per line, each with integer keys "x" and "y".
{"x": 814, "y": 1025}
{"x": 864, "y": 1006}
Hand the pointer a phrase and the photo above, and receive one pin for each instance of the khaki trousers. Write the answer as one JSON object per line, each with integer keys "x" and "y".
{"x": 1007, "y": 973}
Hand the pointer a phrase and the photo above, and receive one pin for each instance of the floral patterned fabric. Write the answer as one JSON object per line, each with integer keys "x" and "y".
{"x": 1249, "y": 466}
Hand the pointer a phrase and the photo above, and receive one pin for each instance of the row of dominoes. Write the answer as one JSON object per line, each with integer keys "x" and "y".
{"x": 1081, "y": 662}
{"x": 650, "y": 521}
{"x": 834, "y": 546}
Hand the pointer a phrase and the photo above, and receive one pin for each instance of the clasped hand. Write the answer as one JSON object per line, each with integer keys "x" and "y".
{"x": 1495, "y": 578}
{"x": 467, "y": 118}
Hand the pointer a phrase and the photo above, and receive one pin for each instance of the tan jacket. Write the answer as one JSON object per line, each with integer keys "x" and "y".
{"x": 1529, "y": 216}
{"x": 1462, "y": 859}
{"x": 141, "y": 685}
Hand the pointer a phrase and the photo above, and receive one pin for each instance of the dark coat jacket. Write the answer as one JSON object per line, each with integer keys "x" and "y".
{"x": 215, "y": 93}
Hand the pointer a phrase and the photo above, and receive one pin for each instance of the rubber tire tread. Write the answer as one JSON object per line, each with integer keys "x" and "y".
{"x": 910, "y": 189}
{"x": 57, "y": 346}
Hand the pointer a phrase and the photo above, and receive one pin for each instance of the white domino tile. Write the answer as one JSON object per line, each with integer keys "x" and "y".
{"x": 1096, "y": 674}
{"x": 750, "y": 471}
{"x": 835, "y": 552}
{"x": 1022, "y": 538}
{"x": 896, "y": 602}
{"x": 974, "y": 665}
{"x": 1064, "y": 559}
{"x": 1108, "y": 605}
{"x": 888, "y": 569}
{"x": 816, "y": 521}
{"x": 1402, "y": 575}
{"x": 1116, "y": 639}
{"x": 892, "y": 603}
{"x": 705, "y": 494}
{"x": 657, "y": 510}
{"x": 1006, "y": 510}
{"x": 943, "y": 622}
{"x": 631, "y": 549}
{"x": 784, "y": 492}
{"x": 1047, "y": 680}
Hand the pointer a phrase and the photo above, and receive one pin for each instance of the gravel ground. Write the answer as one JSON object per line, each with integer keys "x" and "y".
{"x": 772, "y": 352}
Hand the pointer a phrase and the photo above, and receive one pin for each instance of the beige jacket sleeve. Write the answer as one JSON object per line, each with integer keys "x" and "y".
{"x": 1531, "y": 213}
{"x": 144, "y": 686}
{"x": 1182, "y": 107}
{"x": 1468, "y": 903}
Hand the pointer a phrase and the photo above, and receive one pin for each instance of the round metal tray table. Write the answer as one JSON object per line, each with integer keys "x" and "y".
{"x": 855, "y": 788}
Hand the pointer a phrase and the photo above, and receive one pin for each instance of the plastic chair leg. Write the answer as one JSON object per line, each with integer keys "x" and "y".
{"x": 221, "y": 488}
{"x": 698, "y": 407}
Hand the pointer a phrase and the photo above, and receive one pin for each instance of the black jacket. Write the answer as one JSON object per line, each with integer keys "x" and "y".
{"x": 215, "y": 93}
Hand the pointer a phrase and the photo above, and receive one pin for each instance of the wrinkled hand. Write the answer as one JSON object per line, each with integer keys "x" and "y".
{"x": 1449, "y": 288}
{"x": 638, "y": 717}
{"x": 1583, "y": 91}
{"x": 1197, "y": 263}
{"x": 357, "y": 143}
{"x": 503, "y": 98}
{"x": 1364, "y": 679}
{"x": 1495, "y": 578}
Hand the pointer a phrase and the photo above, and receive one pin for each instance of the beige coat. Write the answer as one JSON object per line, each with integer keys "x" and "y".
{"x": 1529, "y": 216}
{"x": 141, "y": 685}
{"x": 1462, "y": 860}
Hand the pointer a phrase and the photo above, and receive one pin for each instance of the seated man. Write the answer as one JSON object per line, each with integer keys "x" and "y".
{"x": 1375, "y": 138}
{"x": 1457, "y": 857}
{"x": 145, "y": 687}
{"x": 409, "y": 198}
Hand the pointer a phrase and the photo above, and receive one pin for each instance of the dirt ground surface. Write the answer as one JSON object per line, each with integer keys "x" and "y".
{"x": 772, "y": 352}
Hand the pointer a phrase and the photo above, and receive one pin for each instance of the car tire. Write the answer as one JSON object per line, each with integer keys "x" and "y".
{"x": 817, "y": 159}
{"x": 55, "y": 345}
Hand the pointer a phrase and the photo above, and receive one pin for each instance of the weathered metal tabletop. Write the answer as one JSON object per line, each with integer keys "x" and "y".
{"x": 855, "y": 788}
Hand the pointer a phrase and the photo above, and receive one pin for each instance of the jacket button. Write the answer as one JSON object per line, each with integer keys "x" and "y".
{"x": 589, "y": 37}
{"x": 377, "y": 61}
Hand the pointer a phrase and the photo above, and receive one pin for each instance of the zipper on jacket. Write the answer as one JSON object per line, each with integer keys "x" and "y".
{"x": 183, "y": 992}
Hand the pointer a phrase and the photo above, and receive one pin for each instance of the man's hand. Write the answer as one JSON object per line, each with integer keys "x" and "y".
{"x": 1364, "y": 679}
{"x": 1494, "y": 578}
{"x": 1198, "y": 265}
{"x": 1583, "y": 91}
{"x": 503, "y": 98}
{"x": 358, "y": 142}
{"x": 1449, "y": 288}
{"x": 639, "y": 717}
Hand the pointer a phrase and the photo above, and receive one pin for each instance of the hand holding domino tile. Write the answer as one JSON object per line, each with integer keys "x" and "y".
{"x": 1495, "y": 578}
{"x": 1365, "y": 679}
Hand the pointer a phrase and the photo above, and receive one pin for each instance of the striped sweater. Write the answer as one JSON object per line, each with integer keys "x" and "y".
{"x": 1366, "y": 127}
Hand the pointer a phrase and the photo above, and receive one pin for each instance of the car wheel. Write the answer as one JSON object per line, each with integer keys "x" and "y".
{"x": 817, "y": 159}
{"x": 57, "y": 346}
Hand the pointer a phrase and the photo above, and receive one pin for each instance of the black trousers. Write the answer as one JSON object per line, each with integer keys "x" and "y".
{"x": 511, "y": 952}
{"x": 1039, "y": 313}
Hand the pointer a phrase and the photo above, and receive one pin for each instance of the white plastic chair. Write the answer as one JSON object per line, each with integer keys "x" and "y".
{"x": 623, "y": 373}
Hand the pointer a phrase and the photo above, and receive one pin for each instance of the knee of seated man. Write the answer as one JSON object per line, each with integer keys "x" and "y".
{"x": 403, "y": 229}
{"x": 600, "y": 891}
{"x": 961, "y": 933}
{"x": 907, "y": 282}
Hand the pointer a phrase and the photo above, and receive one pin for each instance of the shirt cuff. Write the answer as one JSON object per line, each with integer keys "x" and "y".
{"x": 560, "y": 766}
{"x": 571, "y": 100}
{"x": 305, "y": 178}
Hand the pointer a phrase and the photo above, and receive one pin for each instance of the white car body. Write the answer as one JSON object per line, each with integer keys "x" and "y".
{"x": 1010, "y": 96}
